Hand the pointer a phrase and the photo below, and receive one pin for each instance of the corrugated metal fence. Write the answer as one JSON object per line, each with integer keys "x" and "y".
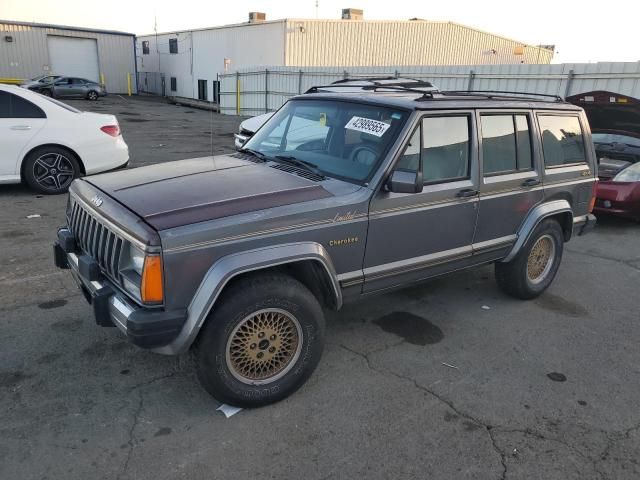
{"x": 255, "y": 91}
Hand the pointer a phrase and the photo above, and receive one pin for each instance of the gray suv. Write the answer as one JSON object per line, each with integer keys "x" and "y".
{"x": 345, "y": 192}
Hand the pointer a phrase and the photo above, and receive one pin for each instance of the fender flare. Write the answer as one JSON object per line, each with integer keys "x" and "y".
{"x": 230, "y": 266}
{"x": 539, "y": 213}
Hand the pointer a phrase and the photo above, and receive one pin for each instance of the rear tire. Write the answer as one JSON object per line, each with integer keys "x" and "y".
{"x": 533, "y": 269}
{"x": 261, "y": 342}
{"x": 50, "y": 170}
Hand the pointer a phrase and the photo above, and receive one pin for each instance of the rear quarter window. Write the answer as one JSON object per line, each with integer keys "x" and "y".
{"x": 562, "y": 140}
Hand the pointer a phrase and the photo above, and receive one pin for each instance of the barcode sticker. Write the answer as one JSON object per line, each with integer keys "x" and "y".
{"x": 366, "y": 125}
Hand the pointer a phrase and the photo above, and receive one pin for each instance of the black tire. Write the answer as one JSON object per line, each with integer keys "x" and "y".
{"x": 92, "y": 95}
{"x": 50, "y": 170}
{"x": 46, "y": 93}
{"x": 230, "y": 340}
{"x": 520, "y": 280}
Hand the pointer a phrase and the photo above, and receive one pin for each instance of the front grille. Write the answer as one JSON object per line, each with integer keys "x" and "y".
{"x": 96, "y": 240}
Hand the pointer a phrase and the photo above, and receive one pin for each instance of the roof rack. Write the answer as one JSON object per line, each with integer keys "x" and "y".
{"x": 376, "y": 84}
{"x": 501, "y": 94}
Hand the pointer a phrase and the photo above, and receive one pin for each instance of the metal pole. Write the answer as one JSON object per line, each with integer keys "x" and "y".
{"x": 237, "y": 93}
{"x": 567, "y": 88}
{"x": 300, "y": 83}
{"x": 472, "y": 75}
{"x": 266, "y": 90}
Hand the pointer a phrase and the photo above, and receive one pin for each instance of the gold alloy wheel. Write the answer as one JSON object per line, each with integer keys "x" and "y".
{"x": 264, "y": 346}
{"x": 541, "y": 259}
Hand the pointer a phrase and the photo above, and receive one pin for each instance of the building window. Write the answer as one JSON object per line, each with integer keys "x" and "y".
{"x": 174, "y": 84}
{"x": 173, "y": 45}
{"x": 202, "y": 90}
{"x": 216, "y": 91}
{"x": 506, "y": 144}
{"x": 562, "y": 141}
{"x": 145, "y": 47}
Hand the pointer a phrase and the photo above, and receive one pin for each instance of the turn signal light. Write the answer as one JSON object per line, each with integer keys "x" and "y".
{"x": 113, "y": 130}
{"x": 152, "y": 287}
{"x": 594, "y": 191}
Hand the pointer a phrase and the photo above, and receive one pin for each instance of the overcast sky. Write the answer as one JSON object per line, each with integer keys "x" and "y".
{"x": 582, "y": 31}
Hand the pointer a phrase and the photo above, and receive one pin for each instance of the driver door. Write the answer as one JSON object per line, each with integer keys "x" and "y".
{"x": 416, "y": 235}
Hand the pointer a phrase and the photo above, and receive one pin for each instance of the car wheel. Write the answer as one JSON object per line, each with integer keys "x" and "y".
{"x": 534, "y": 268}
{"x": 47, "y": 93}
{"x": 51, "y": 170}
{"x": 261, "y": 342}
{"x": 93, "y": 96}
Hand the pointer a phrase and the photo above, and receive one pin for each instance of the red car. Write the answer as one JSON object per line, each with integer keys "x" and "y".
{"x": 621, "y": 195}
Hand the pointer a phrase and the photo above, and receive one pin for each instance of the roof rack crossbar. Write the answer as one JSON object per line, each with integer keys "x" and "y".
{"x": 412, "y": 85}
{"x": 501, "y": 93}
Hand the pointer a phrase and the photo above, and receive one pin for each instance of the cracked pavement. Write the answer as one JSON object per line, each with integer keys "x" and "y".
{"x": 420, "y": 383}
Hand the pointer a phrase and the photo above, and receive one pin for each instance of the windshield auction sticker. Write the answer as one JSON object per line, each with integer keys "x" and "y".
{"x": 366, "y": 125}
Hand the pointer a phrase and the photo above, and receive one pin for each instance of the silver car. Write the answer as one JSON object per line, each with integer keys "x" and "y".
{"x": 39, "y": 81}
{"x": 71, "y": 87}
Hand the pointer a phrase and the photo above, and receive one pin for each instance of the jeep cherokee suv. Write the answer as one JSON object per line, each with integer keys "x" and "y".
{"x": 347, "y": 191}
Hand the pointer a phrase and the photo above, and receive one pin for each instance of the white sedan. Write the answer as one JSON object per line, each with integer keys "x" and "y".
{"x": 46, "y": 143}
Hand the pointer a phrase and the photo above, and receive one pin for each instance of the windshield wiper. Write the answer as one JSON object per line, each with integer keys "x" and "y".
{"x": 308, "y": 166}
{"x": 255, "y": 153}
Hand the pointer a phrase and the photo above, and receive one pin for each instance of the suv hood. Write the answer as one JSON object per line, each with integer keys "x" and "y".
{"x": 180, "y": 193}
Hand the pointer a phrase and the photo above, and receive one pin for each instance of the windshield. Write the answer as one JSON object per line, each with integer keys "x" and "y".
{"x": 629, "y": 174}
{"x": 340, "y": 139}
{"x": 615, "y": 138}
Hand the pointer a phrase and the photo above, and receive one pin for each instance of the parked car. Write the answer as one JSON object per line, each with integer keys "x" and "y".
{"x": 620, "y": 196}
{"x": 615, "y": 151}
{"x": 47, "y": 144}
{"x": 248, "y": 127}
{"x": 236, "y": 257}
{"x": 39, "y": 80}
{"x": 71, "y": 87}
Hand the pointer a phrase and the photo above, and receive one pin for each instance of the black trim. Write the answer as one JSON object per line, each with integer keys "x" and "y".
{"x": 154, "y": 328}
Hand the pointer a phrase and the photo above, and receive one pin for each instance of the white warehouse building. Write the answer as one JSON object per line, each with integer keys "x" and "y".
{"x": 188, "y": 63}
{"x": 28, "y": 50}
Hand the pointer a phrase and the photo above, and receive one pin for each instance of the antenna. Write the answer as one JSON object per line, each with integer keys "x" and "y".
{"x": 316, "y": 9}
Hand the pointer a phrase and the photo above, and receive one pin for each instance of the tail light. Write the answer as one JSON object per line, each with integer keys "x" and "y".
{"x": 113, "y": 130}
{"x": 594, "y": 191}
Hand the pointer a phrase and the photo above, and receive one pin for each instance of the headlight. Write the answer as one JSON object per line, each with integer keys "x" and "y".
{"x": 143, "y": 276}
{"x": 136, "y": 258}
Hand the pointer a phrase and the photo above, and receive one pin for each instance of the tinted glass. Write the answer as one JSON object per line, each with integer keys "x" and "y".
{"x": 5, "y": 105}
{"x": 445, "y": 148}
{"x": 523, "y": 138}
{"x": 13, "y": 106}
{"x": 343, "y": 139}
{"x": 562, "y": 140}
{"x": 498, "y": 144}
{"x": 410, "y": 160}
{"x": 77, "y": 81}
{"x": 173, "y": 45}
{"x": 63, "y": 81}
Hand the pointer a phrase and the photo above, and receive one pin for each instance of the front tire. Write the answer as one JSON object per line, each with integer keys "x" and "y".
{"x": 531, "y": 272}
{"x": 50, "y": 170}
{"x": 93, "y": 96}
{"x": 262, "y": 341}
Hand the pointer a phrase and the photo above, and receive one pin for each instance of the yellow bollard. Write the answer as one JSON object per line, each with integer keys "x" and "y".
{"x": 102, "y": 80}
{"x": 129, "y": 83}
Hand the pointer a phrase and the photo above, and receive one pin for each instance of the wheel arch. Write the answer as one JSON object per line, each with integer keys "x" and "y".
{"x": 559, "y": 209}
{"x": 308, "y": 262}
{"x": 83, "y": 170}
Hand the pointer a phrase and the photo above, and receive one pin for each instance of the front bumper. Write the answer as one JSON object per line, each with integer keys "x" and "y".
{"x": 145, "y": 327}
{"x": 584, "y": 224}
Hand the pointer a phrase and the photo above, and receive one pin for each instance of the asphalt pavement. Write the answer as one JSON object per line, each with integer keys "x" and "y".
{"x": 448, "y": 380}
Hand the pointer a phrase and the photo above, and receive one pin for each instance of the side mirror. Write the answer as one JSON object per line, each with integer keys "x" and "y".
{"x": 405, "y": 182}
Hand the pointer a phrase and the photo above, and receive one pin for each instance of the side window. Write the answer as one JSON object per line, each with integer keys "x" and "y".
{"x": 173, "y": 45}
{"x": 174, "y": 84}
{"x": 506, "y": 144}
{"x": 13, "y": 106}
{"x": 445, "y": 148}
{"x": 562, "y": 141}
{"x": 410, "y": 160}
{"x": 77, "y": 81}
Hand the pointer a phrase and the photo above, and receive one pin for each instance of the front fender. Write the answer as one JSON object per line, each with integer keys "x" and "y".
{"x": 223, "y": 270}
{"x": 537, "y": 214}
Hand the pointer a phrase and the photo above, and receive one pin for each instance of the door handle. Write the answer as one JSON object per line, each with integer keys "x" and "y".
{"x": 21, "y": 127}
{"x": 466, "y": 193}
{"x": 531, "y": 182}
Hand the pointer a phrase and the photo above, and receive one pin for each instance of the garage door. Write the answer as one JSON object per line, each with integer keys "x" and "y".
{"x": 74, "y": 57}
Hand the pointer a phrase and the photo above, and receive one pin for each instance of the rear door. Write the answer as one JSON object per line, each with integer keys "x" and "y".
{"x": 20, "y": 120}
{"x": 569, "y": 158}
{"x": 511, "y": 178}
{"x": 78, "y": 87}
{"x": 416, "y": 235}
